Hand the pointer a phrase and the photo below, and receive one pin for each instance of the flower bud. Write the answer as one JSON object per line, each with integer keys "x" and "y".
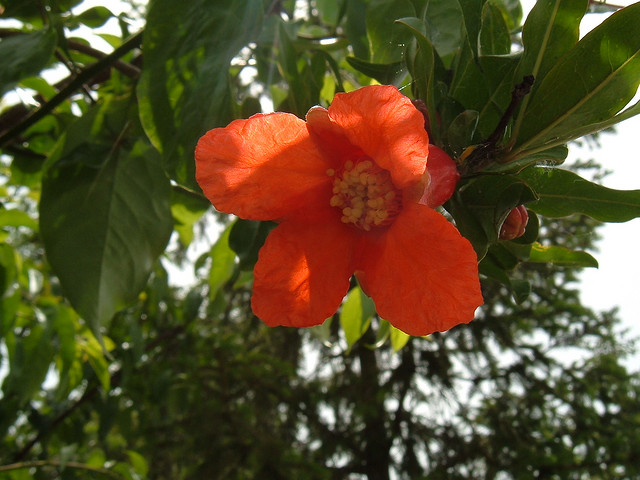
{"x": 515, "y": 224}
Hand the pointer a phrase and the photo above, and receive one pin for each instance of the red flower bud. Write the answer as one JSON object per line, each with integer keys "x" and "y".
{"x": 515, "y": 223}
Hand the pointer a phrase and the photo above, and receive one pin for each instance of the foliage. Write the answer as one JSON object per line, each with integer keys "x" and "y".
{"x": 110, "y": 368}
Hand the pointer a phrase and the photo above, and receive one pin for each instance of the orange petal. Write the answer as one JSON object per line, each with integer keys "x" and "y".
{"x": 387, "y": 127}
{"x": 443, "y": 178}
{"x": 421, "y": 273}
{"x": 262, "y": 168}
{"x": 303, "y": 272}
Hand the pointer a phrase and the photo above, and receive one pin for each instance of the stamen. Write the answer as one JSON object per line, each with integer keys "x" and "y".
{"x": 365, "y": 195}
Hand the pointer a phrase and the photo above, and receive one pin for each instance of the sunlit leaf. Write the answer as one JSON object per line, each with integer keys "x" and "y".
{"x": 561, "y": 256}
{"x": 563, "y": 193}
{"x": 588, "y": 85}
{"x": 356, "y": 314}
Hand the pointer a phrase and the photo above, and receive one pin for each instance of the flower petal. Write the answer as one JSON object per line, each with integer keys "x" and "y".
{"x": 421, "y": 273}
{"x": 443, "y": 178}
{"x": 303, "y": 272}
{"x": 387, "y": 127}
{"x": 262, "y": 168}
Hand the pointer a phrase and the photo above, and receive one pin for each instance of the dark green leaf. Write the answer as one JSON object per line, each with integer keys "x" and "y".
{"x": 184, "y": 88}
{"x": 386, "y": 39}
{"x": 563, "y": 193}
{"x": 445, "y": 27}
{"x": 246, "y": 239}
{"x": 386, "y": 74}
{"x": 104, "y": 217}
{"x": 494, "y": 33}
{"x": 498, "y": 72}
{"x": 24, "y": 55}
{"x": 461, "y": 132}
{"x": 480, "y": 206}
{"x": 590, "y": 84}
{"x": 95, "y": 17}
{"x": 356, "y": 28}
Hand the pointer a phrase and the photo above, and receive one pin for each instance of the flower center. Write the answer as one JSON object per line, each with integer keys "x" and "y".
{"x": 365, "y": 195}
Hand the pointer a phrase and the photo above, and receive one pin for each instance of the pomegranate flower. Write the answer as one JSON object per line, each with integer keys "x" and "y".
{"x": 353, "y": 193}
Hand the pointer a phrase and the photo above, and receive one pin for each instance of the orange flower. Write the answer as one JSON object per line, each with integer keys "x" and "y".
{"x": 351, "y": 194}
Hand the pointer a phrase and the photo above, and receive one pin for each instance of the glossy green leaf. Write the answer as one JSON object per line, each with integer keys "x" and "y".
{"x": 561, "y": 256}
{"x": 355, "y": 315}
{"x": 104, "y": 216}
{"x": 551, "y": 29}
{"x": 24, "y": 55}
{"x": 494, "y": 38}
{"x": 563, "y": 193}
{"x": 223, "y": 260}
{"x": 590, "y": 84}
{"x": 184, "y": 87}
{"x": 386, "y": 39}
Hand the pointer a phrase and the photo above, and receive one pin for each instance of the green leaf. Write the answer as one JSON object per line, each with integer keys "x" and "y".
{"x": 95, "y": 17}
{"x": 445, "y": 27}
{"x": 494, "y": 34}
{"x": 356, "y": 28}
{"x": 398, "y": 338}
{"x": 104, "y": 216}
{"x": 552, "y": 29}
{"x": 17, "y": 218}
{"x": 386, "y": 74}
{"x": 223, "y": 260}
{"x": 184, "y": 87}
{"x": 591, "y": 83}
{"x": 480, "y": 206}
{"x": 461, "y": 132}
{"x": 562, "y": 193}
{"x": 421, "y": 64}
{"x": 187, "y": 208}
{"x": 24, "y": 55}
{"x": 561, "y": 256}
{"x": 513, "y": 10}
{"x": 386, "y": 39}
{"x": 246, "y": 239}
{"x": 498, "y": 74}
{"x": 356, "y": 314}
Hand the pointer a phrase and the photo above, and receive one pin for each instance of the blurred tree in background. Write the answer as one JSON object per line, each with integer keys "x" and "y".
{"x": 114, "y": 363}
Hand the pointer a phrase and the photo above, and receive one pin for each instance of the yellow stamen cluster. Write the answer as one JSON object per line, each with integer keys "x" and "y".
{"x": 365, "y": 195}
